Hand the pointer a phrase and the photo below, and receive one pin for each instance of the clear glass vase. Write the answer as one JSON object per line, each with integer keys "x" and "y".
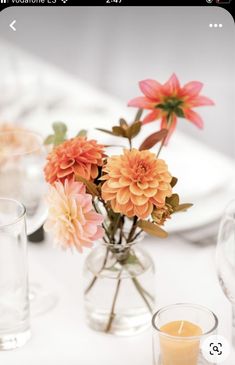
{"x": 119, "y": 289}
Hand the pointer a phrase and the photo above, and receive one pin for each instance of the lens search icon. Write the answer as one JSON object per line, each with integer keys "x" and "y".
{"x": 215, "y": 349}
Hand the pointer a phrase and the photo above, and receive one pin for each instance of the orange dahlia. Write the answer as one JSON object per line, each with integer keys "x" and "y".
{"x": 77, "y": 156}
{"x": 136, "y": 182}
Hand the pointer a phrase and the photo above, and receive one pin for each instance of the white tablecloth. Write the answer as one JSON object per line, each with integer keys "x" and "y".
{"x": 185, "y": 272}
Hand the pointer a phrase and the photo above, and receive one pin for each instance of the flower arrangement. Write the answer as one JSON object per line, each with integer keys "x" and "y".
{"x": 93, "y": 195}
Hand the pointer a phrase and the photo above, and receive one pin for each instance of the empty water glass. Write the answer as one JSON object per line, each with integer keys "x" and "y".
{"x": 14, "y": 297}
{"x": 225, "y": 258}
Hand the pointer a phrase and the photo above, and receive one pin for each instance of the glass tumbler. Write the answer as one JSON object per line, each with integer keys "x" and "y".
{"x": 14, "y": 297}
{"x": 179, "y": 330}
{"x": 225, "y": 258}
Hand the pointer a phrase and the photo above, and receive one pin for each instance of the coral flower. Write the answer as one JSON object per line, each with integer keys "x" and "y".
{"x": 170, "y": 100}
{"x": 77, "y": 156}
{"x": 71, "y": 217}
{"x": 136, "y": 182}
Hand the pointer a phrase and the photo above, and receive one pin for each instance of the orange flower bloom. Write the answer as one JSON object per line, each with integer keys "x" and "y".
{"x": 136, "y": 182}
{"x": 77, "y": 156}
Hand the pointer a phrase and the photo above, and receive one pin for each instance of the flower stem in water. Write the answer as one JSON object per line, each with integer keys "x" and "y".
{"x": 112, "y": 313}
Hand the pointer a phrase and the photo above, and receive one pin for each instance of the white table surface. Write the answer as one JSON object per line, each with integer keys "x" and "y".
{"x": 185, "y": 271}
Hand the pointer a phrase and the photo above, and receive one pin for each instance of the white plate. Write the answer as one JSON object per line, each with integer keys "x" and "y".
{"x": 204, "y": 211}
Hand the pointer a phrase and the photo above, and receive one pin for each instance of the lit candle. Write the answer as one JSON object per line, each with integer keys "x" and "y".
{"x": 180, "y": 348}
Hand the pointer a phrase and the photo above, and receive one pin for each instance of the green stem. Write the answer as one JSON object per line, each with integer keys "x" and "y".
{"x": 103, "y": 225}
{"x": 115, "y": 227}
{"x": 141, "y": 292}
{"x": 137, "y": 235}
{"x": 92, "y": 283}
{"x": 112, "y": 312}
{"x": 145, "y": 291}
{"x": 138, "y": 115}
{"x": 121, "y": 230}
{"x": 133, "y": 228}
{"x": 169, "y": 121}
{"x": 138, "y": 283}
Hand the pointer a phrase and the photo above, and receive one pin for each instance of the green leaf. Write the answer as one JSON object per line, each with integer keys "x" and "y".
{"x": 58, "y": 139}
{"x": 179, "y": 112}
{"x": 153, "y": 139}
{"x": 183, "y": 207}
{"x": 91, "y": 187}
{"x": 138, "y": 115}
{"x": 59, "y": 128}
{"x": 152, "y": 229}
{"x": 161, "y": 106}
{"x": 49, "y": 140}
{"x": 174, "y": 181}
{"x": 82, "y": 133}
{"x": 118, "y": 131}
{"x": 105, "y": 131}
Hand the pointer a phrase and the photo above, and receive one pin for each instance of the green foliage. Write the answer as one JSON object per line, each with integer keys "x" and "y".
{"x": 172, "y": 105}
{"x": 123, "y": 129}
{"x": 59, "y": 136}
{"x": 174, "y": 202}
{"x": 82, "y": 133}
{"x": 138, "y": 115}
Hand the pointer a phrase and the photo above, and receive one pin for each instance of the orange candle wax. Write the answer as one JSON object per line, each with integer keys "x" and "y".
{"x": 181, "y": 348}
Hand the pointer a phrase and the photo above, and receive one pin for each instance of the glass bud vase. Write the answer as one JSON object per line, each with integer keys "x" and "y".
{"x": 119, "y": 289}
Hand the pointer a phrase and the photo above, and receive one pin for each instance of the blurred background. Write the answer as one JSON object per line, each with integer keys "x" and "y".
{"x": 82, "y": 65}
{"x": 113, "y": 48}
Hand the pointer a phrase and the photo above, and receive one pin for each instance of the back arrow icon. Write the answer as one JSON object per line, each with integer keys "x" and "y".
{"x": 12, "y": 25}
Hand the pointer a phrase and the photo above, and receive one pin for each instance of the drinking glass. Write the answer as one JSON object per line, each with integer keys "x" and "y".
{"x": 182, "y": 348}
{"x": 14, "y": 298}
{"x": 225, "y": 258}
{"x": 22, "y": 157}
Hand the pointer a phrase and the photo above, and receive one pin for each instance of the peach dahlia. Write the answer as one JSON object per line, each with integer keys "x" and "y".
{"x": 136, "y": 182}
{"x": 71, "y": 217}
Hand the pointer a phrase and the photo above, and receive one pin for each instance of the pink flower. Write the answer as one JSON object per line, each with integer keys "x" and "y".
{"x": 169, "y": 101}
{"x": 71, "y": 217}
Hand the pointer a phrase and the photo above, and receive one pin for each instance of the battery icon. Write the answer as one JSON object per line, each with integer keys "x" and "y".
{"x": 223, "y": 1}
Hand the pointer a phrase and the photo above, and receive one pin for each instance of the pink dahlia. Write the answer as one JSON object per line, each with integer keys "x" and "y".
{"x": 71, "y": 217}
{"x": 171, "y": 100}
